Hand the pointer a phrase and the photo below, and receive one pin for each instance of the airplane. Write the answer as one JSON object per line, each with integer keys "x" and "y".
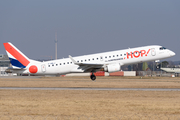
{"x": 172, "y": 70}
{"x": 106, "y": 61}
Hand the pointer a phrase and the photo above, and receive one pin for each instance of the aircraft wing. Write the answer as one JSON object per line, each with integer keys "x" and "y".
{"x": 88, "y": 67}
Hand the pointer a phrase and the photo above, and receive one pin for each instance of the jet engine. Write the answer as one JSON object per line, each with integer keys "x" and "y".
{"x": 112, "y": 68}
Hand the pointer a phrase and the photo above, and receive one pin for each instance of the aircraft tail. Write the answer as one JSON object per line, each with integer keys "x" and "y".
{"x": 16, "y": 57}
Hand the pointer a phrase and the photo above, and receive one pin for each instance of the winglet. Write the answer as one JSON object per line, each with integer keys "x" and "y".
{"x": 73, "y": 60}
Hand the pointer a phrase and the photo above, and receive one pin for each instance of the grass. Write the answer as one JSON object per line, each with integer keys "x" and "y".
{"x": 69, "y": 104}
{"x": 88, "y": 103}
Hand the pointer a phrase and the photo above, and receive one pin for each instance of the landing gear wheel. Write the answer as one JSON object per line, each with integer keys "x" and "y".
{"x": 93, "y": 77}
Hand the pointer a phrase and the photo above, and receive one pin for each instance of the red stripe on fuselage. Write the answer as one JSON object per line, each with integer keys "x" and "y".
{"x": 16, "y": 54}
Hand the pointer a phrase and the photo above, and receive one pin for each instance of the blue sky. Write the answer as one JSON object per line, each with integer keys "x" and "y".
{"x": 85, "y": 27}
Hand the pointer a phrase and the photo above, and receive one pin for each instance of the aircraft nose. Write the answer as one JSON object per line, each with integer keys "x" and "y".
{"x": 172, "y": 53}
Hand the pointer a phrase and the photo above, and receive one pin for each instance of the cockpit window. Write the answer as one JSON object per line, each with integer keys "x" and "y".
{"x": 162, "y": 48}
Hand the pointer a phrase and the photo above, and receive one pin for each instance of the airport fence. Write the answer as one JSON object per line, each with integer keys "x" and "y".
{"x": 93, "y": 117}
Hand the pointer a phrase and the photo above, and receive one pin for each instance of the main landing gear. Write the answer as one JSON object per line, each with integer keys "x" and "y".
{"x": 93, "y": 77}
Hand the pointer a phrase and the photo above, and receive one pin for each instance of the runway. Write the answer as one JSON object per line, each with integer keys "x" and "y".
{"x": 83, "y": 88}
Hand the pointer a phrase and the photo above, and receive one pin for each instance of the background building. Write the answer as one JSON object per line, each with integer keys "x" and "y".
{"x": 4, "y": 64}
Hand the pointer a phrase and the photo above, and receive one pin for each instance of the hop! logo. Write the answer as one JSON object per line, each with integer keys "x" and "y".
{"x": 137, "y": 54}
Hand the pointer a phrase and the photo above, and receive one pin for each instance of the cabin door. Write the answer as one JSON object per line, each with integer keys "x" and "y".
{"x": 153, "y": 52}
{"x": 43, "y": 68}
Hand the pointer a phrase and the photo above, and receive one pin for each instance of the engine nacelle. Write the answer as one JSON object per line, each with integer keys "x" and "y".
{"x": 112, "y": 68}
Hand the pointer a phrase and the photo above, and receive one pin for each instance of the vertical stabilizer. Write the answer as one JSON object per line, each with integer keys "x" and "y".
{"x": 16, "y": 57}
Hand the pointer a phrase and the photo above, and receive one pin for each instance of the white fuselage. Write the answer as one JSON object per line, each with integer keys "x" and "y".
{"x": 116, "y": 58}
{"x": 119, "y": 57}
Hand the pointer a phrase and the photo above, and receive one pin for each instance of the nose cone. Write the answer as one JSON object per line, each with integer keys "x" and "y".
{"x": 172, "y": 53}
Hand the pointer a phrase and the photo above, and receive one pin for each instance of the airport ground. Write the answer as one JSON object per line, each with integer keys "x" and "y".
{"x": 89, "y": 104}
